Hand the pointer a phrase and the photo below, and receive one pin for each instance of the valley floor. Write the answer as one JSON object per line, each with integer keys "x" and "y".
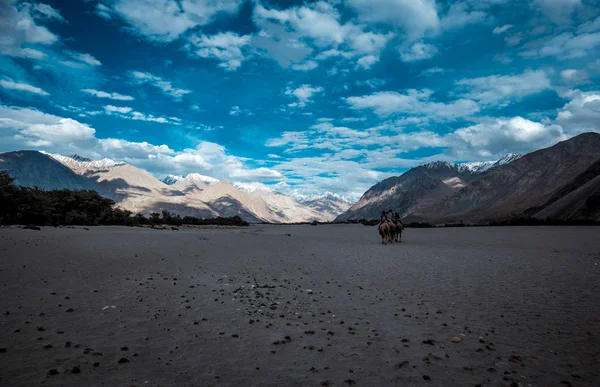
{"x": 114, "y": 306}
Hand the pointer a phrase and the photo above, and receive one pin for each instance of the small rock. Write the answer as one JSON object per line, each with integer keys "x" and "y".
{"x": 456, "y": 340}
{"x": 52, "y": 372}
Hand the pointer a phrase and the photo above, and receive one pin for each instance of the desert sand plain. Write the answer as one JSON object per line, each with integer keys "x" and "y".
{"x": 299, "y": 306}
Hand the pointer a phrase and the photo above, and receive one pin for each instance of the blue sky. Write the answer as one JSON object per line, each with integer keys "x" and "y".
{"x": 305, "y": 97}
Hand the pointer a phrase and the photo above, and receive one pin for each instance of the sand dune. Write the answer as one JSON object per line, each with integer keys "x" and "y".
{"x": 299, "y": 306}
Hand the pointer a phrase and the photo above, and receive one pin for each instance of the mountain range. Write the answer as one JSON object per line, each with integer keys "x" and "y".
{"x": 196, "y": 195}
{"x": 560, "y": 182}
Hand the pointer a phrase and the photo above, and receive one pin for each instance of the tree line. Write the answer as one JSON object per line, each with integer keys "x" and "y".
{"x": 26, "y": 205}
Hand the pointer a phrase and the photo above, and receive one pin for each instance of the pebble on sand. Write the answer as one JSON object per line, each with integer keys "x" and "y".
{"x": 456, "y": 340}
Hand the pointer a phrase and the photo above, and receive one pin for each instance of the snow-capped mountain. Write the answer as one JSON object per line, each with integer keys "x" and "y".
{"x": 559, "y": 182}
{"x": 482, "y": 166}
{"x": 138, "y": 191}
{"x": 419, "y": 187}
{"x": 76, "y": 161}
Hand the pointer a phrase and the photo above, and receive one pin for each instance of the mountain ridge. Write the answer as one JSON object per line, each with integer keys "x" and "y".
{"x": 136, "y": 190}
{"x": 441, "y": 192}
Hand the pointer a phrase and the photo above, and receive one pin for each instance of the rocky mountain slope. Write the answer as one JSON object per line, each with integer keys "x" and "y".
{"x": 512, "y": 190}
{"x": 414, "y": 190}
{"x": 139, "y": 192}
{"x": 558, "y": 182}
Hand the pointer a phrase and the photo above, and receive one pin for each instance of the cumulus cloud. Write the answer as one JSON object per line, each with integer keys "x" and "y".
{"x": 417, "y": 51}
{"x": 21, "y": 24}
{"x": 290, "y": 35}
{"x": 226, "y": 47}
{"x": 502, "y": 89}
{"x": 305, "y": 66}
{"x": 413, "y": 102}
{"x": 567, "y": 45}
{"x": 10, "y": 85}
{"x": 581, "y": 113}
{"x": 461, "y": 14}
{"x": 103, "y": 94}
{"x": 166, "y": 20}
{"x": 415, "y": 17}
{"x": 303, "y": 93}
{"x": 117, "y": 109}
{"x": 574, "y": 76}
{"x": 498, "y": 135}
{"x": 165, "y": 86}
{"x": 31, "y": 128}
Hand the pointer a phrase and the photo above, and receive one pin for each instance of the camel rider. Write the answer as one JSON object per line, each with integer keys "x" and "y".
{"x": 383, "y": 216}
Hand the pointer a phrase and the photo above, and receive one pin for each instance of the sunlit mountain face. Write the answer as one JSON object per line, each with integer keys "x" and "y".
{"x": 301, "y": 98}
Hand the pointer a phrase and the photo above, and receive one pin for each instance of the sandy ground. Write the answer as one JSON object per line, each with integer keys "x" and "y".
{"x": 114, "y": 306}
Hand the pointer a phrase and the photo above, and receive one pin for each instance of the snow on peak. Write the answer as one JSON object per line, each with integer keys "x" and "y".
{"x": 438, "y": 164}
{"x": 83, "y": 162}
{"x": 327, "y": 195}
{"x": 252, "y": 187}
{"x": 202, "y": 178}
{"x": 482, "y": 166}
{"x": 476, "y": 166}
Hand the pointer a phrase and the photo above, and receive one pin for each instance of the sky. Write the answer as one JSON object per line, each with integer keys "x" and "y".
{"x": 303, "y": 97}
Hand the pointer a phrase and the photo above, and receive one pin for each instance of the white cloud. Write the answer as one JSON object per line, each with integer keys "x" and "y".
{"x": 165, "y": 86}
{"x": 499, "y": 135}
{"x": 581, "y": 113}
{"x": 431, "y": 71}
{"x": 31, "y": 53}
{"x": 46, "y": 11}
{"x": 415, "y": 17}
{"x": 502, "y": 29}
{"x": 116, "y": 109}
{"x": 23, "y": 127}
{"x": 501, "y": 89}
{"x": 289, "y": 35}
{"x": 103, "y": 94}
{"x": 8, "y": 84}
{"x": 461, "y": 14}
{"x": 226, "y": 47}
{"x": 305, "y": 66}
{"x": 103, "y": 11}
{"x": 417, "y": 51}
{"x": 367, "y": 61}
{"x": 166, "y": 20}
{"x": 20, "y": 25}
{"x": 559, "y": 11}
{"x": 574, "y": 76}
{"x": 303, "y": 93}
{"x": 564, "y": 46}
{"x": 413, "y": 102}
{"x": 85, "y": 58}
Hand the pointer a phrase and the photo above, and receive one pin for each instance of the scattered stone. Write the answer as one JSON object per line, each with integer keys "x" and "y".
{"x": 429, "y": 342}
{"x": 456, "y": 340}
{"x": 75, "y": 370}
{"x": 52, "y": 372}
{"x": 123, "y": 360}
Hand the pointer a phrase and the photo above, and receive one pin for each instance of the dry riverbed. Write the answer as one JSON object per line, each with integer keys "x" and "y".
{"x": 299, "y": 306}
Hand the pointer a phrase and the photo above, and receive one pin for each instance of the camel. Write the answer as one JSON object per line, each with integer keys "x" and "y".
{"x": 399, "y": 229}
{"x": 384, "y": 231}
{"x": 392, "y": 232}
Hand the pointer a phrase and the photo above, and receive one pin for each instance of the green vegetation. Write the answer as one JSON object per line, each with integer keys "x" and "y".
{"x": 24, "y": 205}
